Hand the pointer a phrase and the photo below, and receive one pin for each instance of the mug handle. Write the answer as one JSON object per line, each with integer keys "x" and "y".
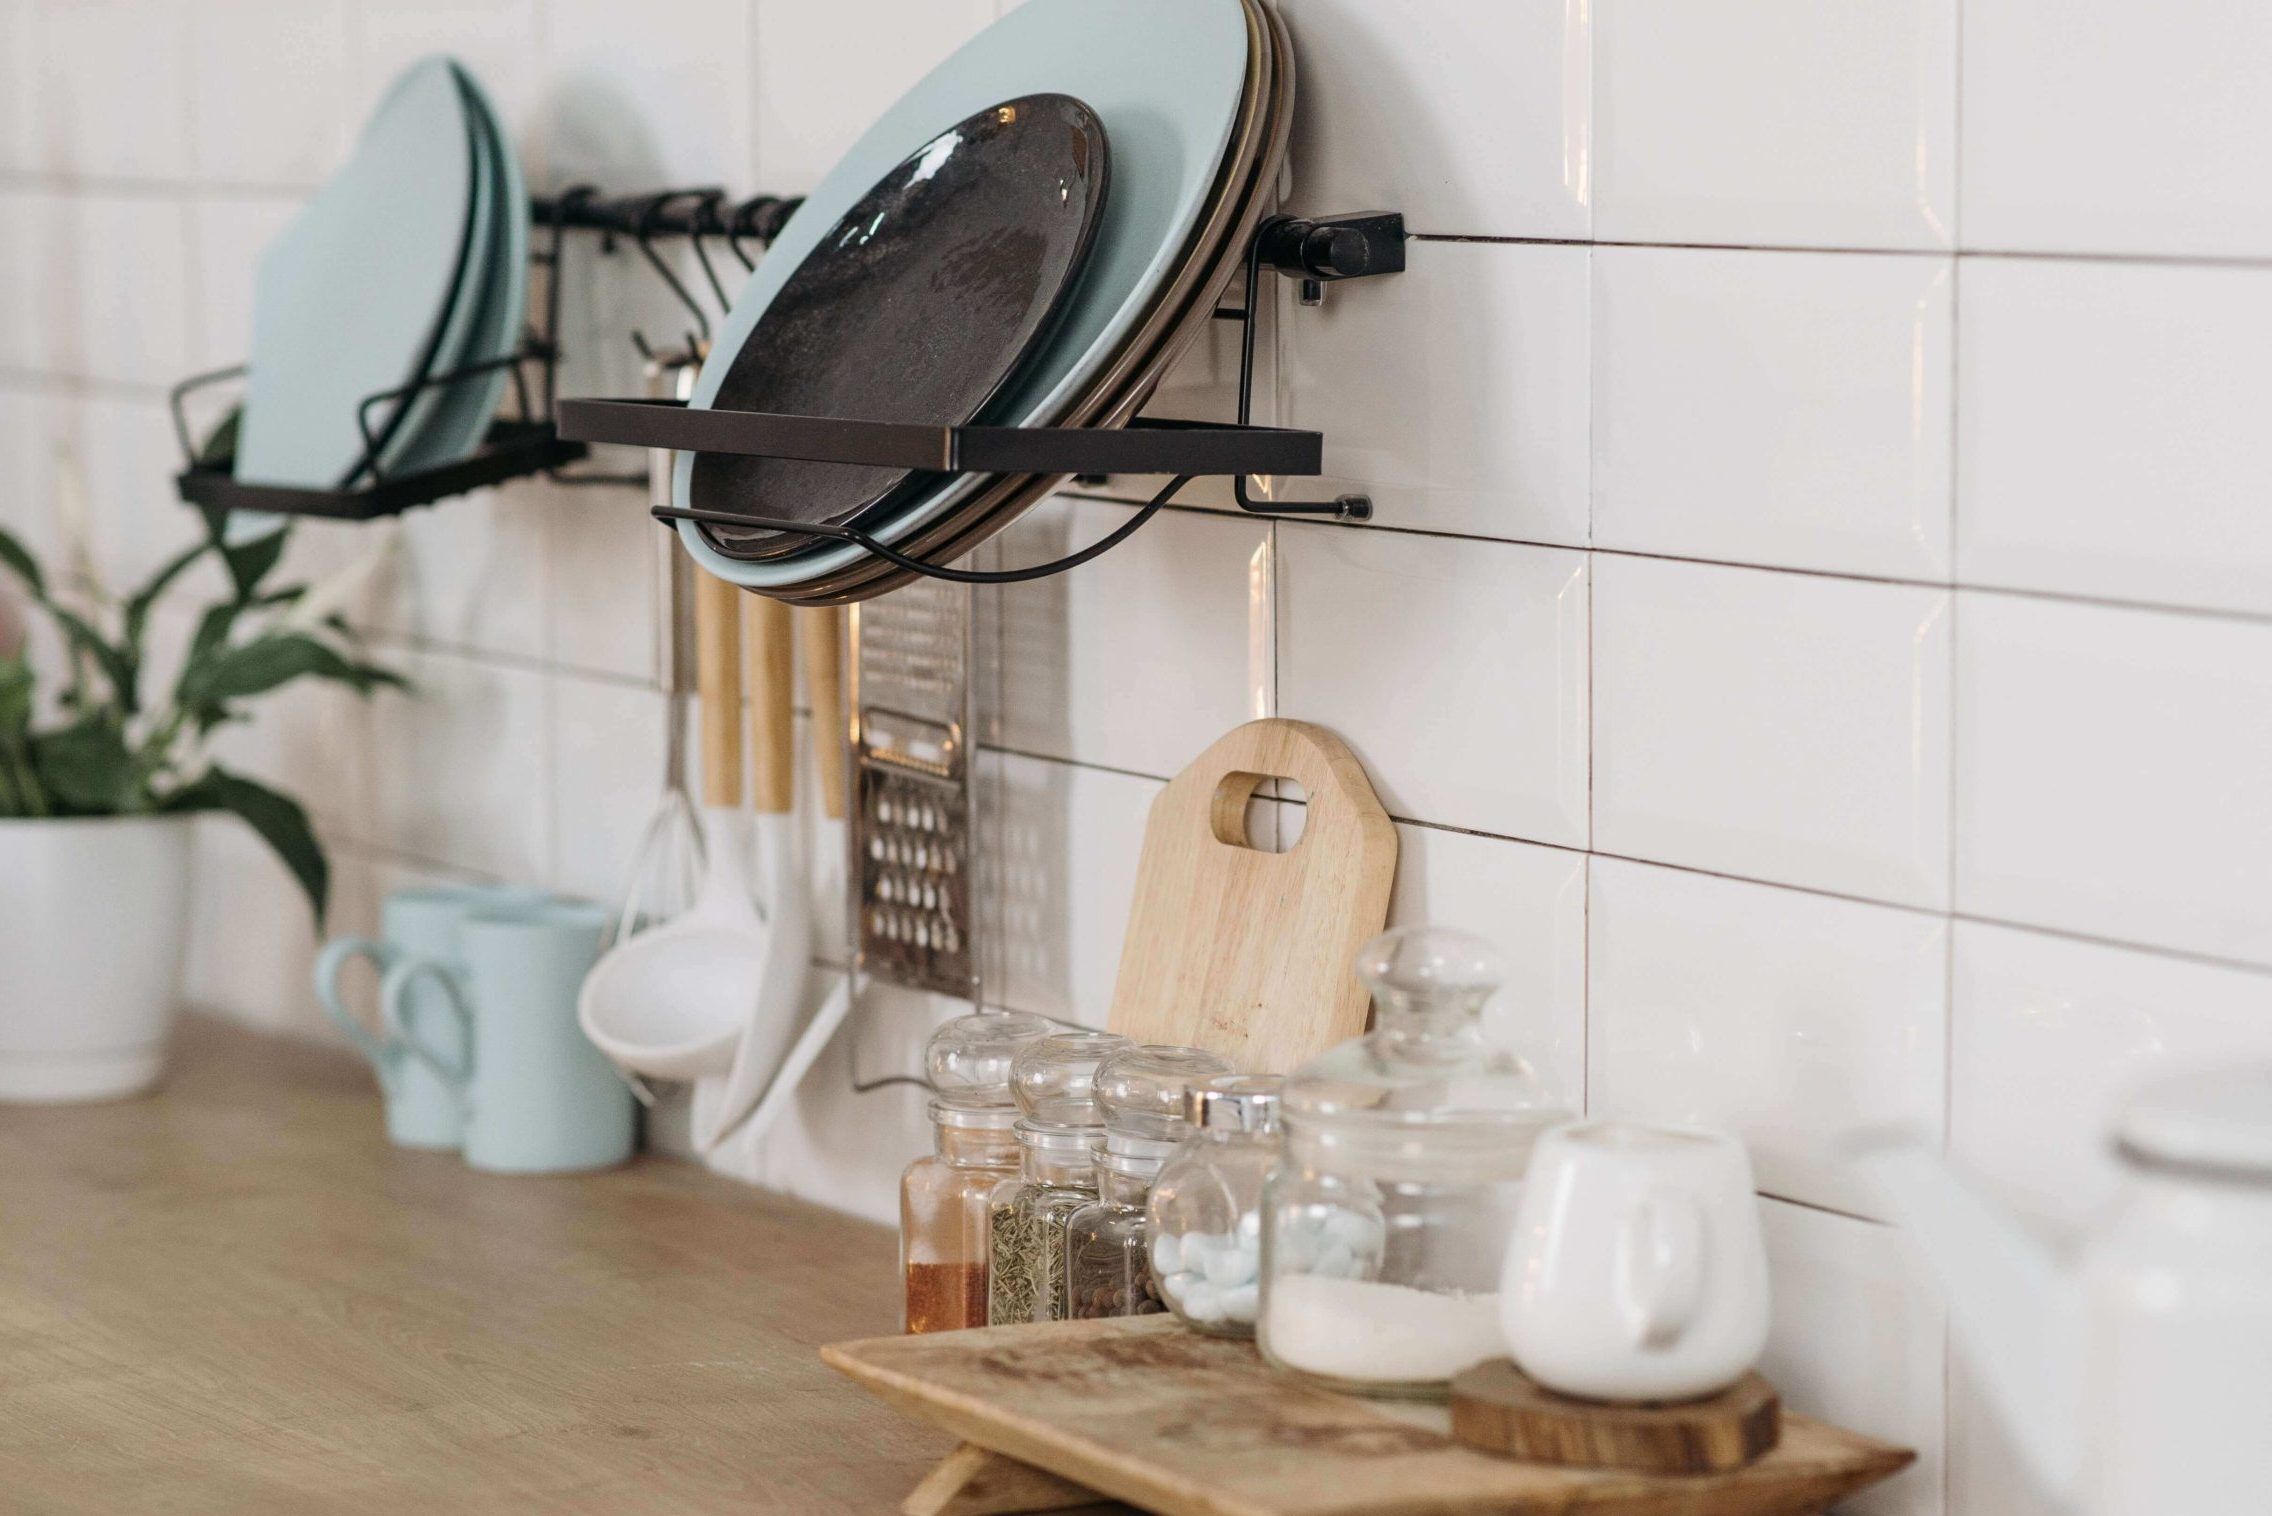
{"x": 394, "y": 993}
{"x": 334, "y": 958}
{"x": 1660, "y": 1267}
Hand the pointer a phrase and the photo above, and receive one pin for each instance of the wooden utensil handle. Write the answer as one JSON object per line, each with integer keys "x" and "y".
{"x": 772, "y": 702}
{"x": 718, "y": 687}
{"x": 820, "y": 633}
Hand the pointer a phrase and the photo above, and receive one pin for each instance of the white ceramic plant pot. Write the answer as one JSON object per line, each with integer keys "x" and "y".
{"x": 93, "y": 916}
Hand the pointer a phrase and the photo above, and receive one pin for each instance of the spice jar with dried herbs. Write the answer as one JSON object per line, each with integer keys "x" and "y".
{"x": 945, "y": 1242}
{"x": 1143, "y": 1092}
{"x": 1054, "y": 1083}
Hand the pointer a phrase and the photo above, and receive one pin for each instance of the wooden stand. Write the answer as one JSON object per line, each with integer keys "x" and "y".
{"x": 1148, "y": 1412}
{"x": 1496, "y": 1408}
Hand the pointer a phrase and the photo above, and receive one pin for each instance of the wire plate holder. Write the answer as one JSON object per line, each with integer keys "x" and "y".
{"x": 1317, "y": 250}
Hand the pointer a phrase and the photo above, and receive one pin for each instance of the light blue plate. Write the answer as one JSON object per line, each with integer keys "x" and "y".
{"x": 454, "y": 424}
{"x": 1166, "y": 78}
{"x": 355, "y": 296}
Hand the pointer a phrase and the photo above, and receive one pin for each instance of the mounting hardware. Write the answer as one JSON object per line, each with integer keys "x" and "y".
{"x": 1318, "y": 248}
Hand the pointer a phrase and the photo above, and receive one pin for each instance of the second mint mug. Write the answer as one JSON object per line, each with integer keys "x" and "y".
{"x": 538, "y": 1097}
{"x": 423, "y": 1108}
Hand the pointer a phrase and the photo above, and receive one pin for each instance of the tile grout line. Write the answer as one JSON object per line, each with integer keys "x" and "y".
{"x": 1948, "y": 937}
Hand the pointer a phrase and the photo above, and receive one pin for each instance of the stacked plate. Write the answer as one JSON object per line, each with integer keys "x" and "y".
{"x": 411, "y": 263}
{"x": 1029, "y": 237}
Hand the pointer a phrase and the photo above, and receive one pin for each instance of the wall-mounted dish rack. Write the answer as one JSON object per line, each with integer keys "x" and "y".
{"x": 528, "y": 443}
{"x": 549, "y": 432}
{"x": 1314, "y": 250}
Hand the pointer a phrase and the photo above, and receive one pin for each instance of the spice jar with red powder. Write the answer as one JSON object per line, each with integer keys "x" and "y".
{"x": 944, "y": 1237}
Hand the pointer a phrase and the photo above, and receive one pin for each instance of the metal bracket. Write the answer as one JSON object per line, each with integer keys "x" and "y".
{"x": 1315, "y": 250}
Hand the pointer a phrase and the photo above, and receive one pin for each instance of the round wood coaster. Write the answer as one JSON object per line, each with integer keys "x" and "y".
{"x": 1499, "y": 1410}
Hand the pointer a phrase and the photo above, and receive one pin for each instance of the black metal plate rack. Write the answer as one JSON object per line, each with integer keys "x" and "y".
{"x": 1314, "y": 250}
{"x": 528, "y": 443}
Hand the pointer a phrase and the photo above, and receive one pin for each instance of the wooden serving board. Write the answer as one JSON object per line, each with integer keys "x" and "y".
{"x": 1152, "y": 1413}
{"x": 1242, "y": 951}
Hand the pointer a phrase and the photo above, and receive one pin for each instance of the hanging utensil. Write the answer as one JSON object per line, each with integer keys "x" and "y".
{"x": 674, "y": 1001}
{"x": 666, "y": 870}
{"x": 777, "y": 1002}
{"x": 820, "y": 644}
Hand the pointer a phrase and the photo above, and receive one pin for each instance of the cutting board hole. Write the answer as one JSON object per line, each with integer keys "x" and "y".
{"x": 1246, "y": 813}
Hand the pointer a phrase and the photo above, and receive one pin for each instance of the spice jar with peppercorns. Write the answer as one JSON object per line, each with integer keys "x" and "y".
{"x": 944, "y": 1237}
{"x": 1142, "y": 1091}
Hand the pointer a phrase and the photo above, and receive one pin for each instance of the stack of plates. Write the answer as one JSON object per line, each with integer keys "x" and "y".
{"x": 410, "y": 263}
{"x": 1190, "y": 101}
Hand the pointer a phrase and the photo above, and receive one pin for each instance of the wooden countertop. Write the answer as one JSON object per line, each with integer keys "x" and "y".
{"x": 234, "y": 1296}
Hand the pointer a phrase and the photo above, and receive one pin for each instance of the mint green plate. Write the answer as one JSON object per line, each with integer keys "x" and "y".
{"x": 495, "y": 293}
{"x": 357, "y": 295}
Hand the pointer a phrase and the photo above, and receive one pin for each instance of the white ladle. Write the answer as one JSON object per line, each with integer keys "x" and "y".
{"x": 777, "y": 1004}
{"x": 673, "y": 1001}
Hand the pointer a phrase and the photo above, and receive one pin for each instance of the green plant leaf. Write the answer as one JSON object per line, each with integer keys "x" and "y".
{"x": 17, "y": 683}
{"x": 278, "y": 820}
{"x": 261, "y": 665}
{"x": 88, "y": 766}
{"x": 21, "y": 793}
{"x": 18, "y": 558}
{"x": 139, "y": 605}
{"x": 118, "y": 665}
{"x": 251, "y": 562}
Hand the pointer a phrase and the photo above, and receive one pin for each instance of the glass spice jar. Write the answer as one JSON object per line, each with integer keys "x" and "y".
{"x": 945, "y": 1242}
{"x": 1143, "y": 1093}
{"x": 1388, "y": 1216}
{"x": 945, "y": 1245}
{"x": 1026, "y": 1220}
{"x": 1107, "y": 1259}
{"x": 1054, "y": 1083}
{"x": 1205, "y": 1212}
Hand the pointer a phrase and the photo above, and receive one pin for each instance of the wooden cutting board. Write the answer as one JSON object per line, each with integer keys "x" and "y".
{"x": 1243, "y": 951}
{"x": 1147, "y": 1411}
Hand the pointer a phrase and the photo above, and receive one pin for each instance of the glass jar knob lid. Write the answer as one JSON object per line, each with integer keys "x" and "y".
{"x": 969, "y": 1058}
{"x": 1143, "y": 1089}
{"x": 1054, "y": 1077}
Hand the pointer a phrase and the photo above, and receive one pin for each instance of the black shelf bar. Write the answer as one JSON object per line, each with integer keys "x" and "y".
{"x": 511, "y": 450}
{"x": 1144, "y": 447}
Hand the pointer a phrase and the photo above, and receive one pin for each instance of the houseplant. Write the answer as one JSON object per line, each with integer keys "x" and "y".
{"x": 104, "y": 763}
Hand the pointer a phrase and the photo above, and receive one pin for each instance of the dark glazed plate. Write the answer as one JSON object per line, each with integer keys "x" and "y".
{"x": 920, "y": 304}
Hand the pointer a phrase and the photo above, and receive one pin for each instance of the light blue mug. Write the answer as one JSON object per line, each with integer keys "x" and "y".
{"x": 423, "y": 1106}
{"x": 538, "y": 1097}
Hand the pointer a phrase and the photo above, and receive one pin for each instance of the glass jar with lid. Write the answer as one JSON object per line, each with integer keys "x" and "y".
{"x": 1385, "y": 1223}
{"x": 944, "y": 1238}
{"x": 1144, "y": 1093}
{"x": 1054, "y": 1083}
{"x": 1205, "y": 1212}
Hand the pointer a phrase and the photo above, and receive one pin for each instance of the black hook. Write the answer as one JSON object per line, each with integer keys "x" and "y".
{"x": 642, "y": 232}
{"x": 706, "y": 222}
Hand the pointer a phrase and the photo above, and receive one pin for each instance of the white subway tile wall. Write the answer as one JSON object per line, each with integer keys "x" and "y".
{"x": 1838, "y": 510}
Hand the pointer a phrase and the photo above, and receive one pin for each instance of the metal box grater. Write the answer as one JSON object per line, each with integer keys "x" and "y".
{"x": 912, "y": 816}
